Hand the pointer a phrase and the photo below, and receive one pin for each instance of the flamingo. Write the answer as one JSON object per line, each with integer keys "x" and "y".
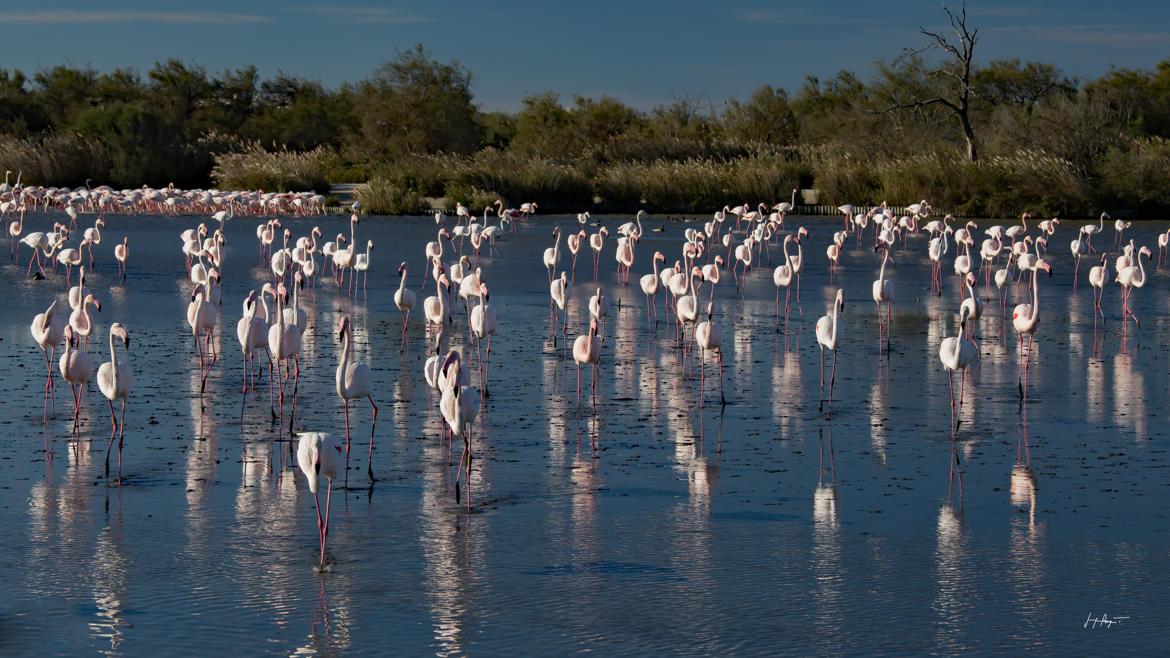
{"x": 1119, "y": 226}
{"x": 296, "y": 315}
{"x": 202, "y": 316}
{"x": 354, "y": 383}
{"x": 629, "y": 228}
{"x": 404, "y": 299}
{"x": 833, "y": 252}
{"x": 319, "y": 456}
{"x": 1078, "y": 247}
{"x": 936, "y": 250}
{"x": 435, "y": 308}
{"x": 712, "y": 274}
{"x": 1163, "y": 243}
{"x": 15, "y": 228}
{"x": 828, "y": 336}
{"x": 1002, "y": 277}
{"x": 883, "y": 291}
{"x": 973, "y": 304}
{"x": 574, "y": 242}
{"x": 484, "y": 323}
{"x": 1025, "y": 318}
{"x": 956, "y": 354}
{"x": 650, "y": 285}
{"x": 798, "y": 264}
{"x": 121, "y": 253}
{"x": 596, "y": 242}
{"x": 598, "y": 306}
{"x": 459, "y": 406}
{"x": 1097, "y": 277}
{"x": 76, "y": 368}
{"x": 252, "y": 332}
{"x": 559, "y": 292}
{"x": 115, "y": 381}
{"x": 284, "y": 344}
{"x": 48, "y": 330}
{"x": 552, "y": 255}
{"x": 1132, "y": 277}
{"x": 80, "y": 319}
{"x": 625, "y": 256}
{"x": 708, "y": 337}
{"x": 587, "y": 349}
{"x": 782, "y": 276}
{"x": 78, "y": 292}
{"x": 1091, "y": 230}
{"x": 362, "y": 263}
{"x": 686, "y": 307}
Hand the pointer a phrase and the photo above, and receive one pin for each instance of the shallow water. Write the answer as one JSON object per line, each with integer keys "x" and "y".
{"x": 640, "y": 522}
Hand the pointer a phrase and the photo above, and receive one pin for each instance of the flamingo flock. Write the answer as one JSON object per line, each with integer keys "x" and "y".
{"x": 293, "y": 266}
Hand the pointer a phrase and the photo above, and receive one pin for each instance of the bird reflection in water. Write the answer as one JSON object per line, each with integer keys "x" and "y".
{"x": 109, "y": 583}
{"x": 878, "y": 418}
{"x": 953, "y": 597}
{"x": 1129, "y": 395}
{"x": 330, "y": 633}
{"x": 787, "y": 395}
{"x": 826, "y": 548}
{"x": 450, "y": 561}
{"x": 1026, "y": 556}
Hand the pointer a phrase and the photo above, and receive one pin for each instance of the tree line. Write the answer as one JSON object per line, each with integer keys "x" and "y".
{"x": 1046, "y": 142}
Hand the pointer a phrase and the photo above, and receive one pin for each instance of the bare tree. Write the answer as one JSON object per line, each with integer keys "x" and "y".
{"x": 956, "y": 73}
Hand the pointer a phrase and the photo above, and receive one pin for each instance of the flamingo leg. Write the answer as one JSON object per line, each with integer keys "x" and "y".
{"x": 114, "y": 431}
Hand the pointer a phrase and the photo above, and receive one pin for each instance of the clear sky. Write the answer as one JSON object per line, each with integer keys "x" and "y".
{"x": 640, "y": 52}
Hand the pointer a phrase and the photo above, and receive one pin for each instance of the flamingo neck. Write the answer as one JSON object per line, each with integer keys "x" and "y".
{"x": 346, "y": 351}
{"x": 402, "y": 282}
{"x": 882, "y": 272}
{"x": 114, "y": 362}
{"x": 1035, "y": 294}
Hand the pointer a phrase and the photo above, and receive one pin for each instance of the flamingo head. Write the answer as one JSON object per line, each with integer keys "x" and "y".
{"x": 117, "y": 329}
{"x": 1145, "y": 250}
{"x": 213, "y": 274}
{"x": 802, "y": 231}
{"x": 452, "y": 357}
{"x": 1105, "y": 215}
{"x": 695, "y": 271}
{"x": 719, "y": 261}
{"x": 1043, "y": 264}
{"x": 316, "y": 231}
{"x": 68, "y": 334}
{"x": 96, "y": 304}
{"x": 300, "y": 279}
{"x": 344, "y": 328}
{"x": 604, "y": 231}
{"x": 840, "y": 302}
{"x": 970, "y": 278}
{"x": 483, "y": 291}
{"x": 250, "y": 302}
{"x": 353, "y": 219}
{"x": 402, "y": 268}
{"x": 444, "y": 281}
{"x": 658, "y": 256}
{"x": 593, "y": 327}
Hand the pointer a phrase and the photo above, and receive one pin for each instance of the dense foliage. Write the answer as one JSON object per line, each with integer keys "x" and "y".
{"x": 1046, "y": 143}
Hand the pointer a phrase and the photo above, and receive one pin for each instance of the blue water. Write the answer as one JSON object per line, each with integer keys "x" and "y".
{"x": 640, "y": 522}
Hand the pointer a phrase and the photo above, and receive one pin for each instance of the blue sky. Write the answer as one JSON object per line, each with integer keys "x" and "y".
{"x": 641, "y": 52}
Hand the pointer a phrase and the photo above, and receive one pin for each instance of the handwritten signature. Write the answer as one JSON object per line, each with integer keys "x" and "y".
{"x": 1103, "y": 621}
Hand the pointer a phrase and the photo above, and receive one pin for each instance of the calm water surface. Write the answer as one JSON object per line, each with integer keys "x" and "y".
{"x": 645, "y": 522}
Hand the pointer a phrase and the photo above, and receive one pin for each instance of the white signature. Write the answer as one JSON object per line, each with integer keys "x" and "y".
{"x": 1103, "y": 620}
